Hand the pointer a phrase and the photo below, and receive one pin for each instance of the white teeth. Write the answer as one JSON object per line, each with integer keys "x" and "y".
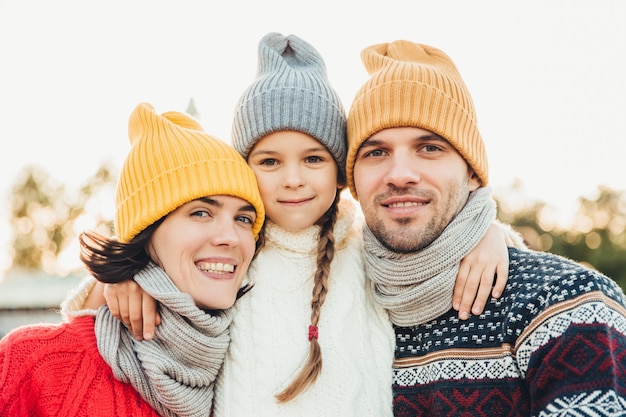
{"x": 404, "y": 204}
{"x": 216, "y": 267}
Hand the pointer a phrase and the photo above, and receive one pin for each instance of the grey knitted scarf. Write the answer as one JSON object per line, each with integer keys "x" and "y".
{"x": 176, "y": 371}
{"x": 417, "y": 287}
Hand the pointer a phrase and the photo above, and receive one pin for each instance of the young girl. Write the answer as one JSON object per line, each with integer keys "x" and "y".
{"x": 189, "y": 250}
{"x": 307, "y": 340}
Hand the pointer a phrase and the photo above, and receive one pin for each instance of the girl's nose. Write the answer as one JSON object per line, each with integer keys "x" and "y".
{"x": 293, "y": 177}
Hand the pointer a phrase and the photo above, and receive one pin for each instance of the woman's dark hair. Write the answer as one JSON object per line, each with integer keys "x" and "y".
{"x": 110, "y": 261}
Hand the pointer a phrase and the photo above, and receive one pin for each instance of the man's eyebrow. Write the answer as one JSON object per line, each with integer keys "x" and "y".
{"x": 432, "y": 136}
{"x": 372, "y": 142}
{"x": 426, "y": 136}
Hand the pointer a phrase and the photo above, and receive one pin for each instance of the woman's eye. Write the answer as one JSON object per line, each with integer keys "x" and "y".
{"x": 245, "y": 219}
{"x": 201, "y": 213}
{"x": 269, "y": 162}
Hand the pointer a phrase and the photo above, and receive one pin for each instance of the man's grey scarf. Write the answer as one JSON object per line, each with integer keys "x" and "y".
{"x": 417, "y": 287}
{"x": 176, "y": 371}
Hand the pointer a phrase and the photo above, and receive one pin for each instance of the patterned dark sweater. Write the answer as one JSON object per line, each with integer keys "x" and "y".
{"x": 553, "y": 345}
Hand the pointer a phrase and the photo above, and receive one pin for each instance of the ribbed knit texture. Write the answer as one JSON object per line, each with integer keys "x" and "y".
{"x": 56, "y": 370}
{"x": 414, "y": 85}
{"x": 176, "y": 370}
{"x": 269, "y": 332}
{"x": 173, "y": 161}
{"x": 417, "y": 287}
{"x": 291, "y": 92}
{"x": 554, "y": 344}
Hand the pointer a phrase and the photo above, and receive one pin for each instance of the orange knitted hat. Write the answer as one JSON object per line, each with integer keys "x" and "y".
{"x": 414, "y": 85}
{"x": 173, "y": 161}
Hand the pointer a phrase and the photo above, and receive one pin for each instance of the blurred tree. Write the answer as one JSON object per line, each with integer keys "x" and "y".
{"x": 597, "y": 237}
{"x": 43, "y": 213}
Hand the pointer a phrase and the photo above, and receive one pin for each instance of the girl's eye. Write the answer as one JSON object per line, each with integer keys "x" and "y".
{"x": 269, "y": 162}
{"x": 314, "y": 159}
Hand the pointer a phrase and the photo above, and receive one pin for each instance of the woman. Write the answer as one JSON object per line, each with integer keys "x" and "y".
{"x": 188, "y": 212}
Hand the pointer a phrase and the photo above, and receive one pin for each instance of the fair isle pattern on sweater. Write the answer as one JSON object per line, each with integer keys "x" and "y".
{"x": 553, "y": 345}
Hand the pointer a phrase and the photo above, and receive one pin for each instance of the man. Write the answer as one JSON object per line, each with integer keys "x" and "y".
{"x": 553, "y": 344}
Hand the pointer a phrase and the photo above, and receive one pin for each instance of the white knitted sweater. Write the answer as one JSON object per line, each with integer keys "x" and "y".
{"x": 269, "y": 333}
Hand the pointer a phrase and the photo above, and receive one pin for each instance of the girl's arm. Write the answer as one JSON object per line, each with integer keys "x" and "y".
{"x": 487, "y": 262}
{"x": 126, "y": 301}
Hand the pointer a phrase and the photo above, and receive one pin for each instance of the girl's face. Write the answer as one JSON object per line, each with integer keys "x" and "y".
{"x": 205, "y": 246}
{"x": 297, "y": 178}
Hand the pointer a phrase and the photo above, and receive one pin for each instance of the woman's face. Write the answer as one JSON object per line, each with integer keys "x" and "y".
{"x": 205, "y": 246}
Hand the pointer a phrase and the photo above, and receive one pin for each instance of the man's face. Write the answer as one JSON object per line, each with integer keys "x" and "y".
{"x": 410, "y": 183}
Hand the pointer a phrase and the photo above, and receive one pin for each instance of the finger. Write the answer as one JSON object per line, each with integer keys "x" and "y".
{"x": 469, "y": 293}
{"x": 112, "y": 302}
{"x": 484, "y": 290}
{"x": 135, "y": 302}
{"x": 502, "y": 276}
{"x": 459, "y": 284}
{"x": 124, "y": 313}
{"x": 149, "y": 312}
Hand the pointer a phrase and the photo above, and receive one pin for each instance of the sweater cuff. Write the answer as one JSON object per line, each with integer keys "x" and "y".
{"x": 513, "y": 238}
{"x": 72, "y": 306}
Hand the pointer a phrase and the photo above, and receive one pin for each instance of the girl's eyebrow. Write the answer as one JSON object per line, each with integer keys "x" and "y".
{"x": 261, "y": 151}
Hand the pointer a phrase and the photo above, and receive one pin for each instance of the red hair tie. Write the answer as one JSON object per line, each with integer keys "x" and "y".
{"x": 312, "y": 332}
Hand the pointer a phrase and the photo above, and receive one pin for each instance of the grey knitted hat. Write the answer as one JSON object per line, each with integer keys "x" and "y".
{"x": 291, "y": 92}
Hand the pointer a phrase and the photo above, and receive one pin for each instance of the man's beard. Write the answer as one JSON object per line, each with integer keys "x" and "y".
{"x": 407, "y": 239}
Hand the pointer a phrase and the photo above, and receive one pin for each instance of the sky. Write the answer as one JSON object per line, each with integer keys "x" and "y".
{"x": 548, "y": 77}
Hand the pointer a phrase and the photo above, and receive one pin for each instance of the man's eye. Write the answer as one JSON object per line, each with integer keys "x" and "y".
{"x": 431, "y": 148}
{"x": 375, "y": 153}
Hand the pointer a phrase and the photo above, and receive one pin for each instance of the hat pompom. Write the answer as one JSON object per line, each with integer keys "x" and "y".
{"x": 291, "y": 92}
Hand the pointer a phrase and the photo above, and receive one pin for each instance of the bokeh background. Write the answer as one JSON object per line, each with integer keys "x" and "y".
{"x": 547, "y": 77}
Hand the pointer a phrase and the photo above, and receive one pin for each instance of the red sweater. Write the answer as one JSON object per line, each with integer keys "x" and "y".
{"x": 56, "y": 370}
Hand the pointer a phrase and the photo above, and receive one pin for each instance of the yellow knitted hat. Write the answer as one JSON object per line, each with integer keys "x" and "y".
{"x": 173, "y": 161}
{"x": 414, "y": 85}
